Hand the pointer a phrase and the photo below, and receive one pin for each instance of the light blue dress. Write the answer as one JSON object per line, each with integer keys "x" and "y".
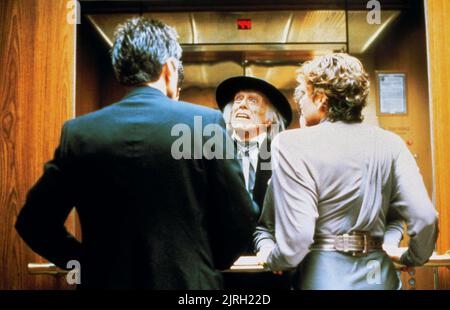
{"x": 322, "y": 270}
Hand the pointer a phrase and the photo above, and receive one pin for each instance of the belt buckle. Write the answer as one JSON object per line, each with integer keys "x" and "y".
{"x": 345, "y": 239}
{"x": 342, "y": 244}
{"x": 365, "y": 250}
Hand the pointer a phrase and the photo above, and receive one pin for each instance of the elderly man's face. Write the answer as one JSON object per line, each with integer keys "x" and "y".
{"x": 249, "y": 111}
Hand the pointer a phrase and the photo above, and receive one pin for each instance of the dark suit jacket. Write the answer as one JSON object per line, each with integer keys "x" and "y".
{"x": 259, "y": 280}
{"x": 147, "y": 219}
{"x": 262, "y": 176}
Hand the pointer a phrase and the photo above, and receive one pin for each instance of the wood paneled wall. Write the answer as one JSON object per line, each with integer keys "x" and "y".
{"x": 438, "y": 25}
{"x": 36, "y": 97}
{"x": 97, "y": 86}
{"x": 403, "y": 49}
{"x": 87, "y": 72}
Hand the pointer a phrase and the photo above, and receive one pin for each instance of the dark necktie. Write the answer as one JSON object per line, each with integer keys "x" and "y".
{"x": 244, "y": 149}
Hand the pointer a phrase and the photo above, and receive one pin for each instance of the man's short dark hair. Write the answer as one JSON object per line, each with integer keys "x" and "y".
{"x": 141, "y": 48}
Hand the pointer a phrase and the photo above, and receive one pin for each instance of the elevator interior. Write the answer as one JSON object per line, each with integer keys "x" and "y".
{"x": 278, "y": 41}
{"x": 215, "y": 49}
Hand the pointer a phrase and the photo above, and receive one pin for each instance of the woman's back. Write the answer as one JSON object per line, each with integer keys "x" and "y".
{"x": 352, "y": 168}
{"x": 339, "y": 177}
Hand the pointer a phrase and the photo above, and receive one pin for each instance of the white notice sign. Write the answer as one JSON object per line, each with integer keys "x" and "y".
{"x": 392, "y": 93}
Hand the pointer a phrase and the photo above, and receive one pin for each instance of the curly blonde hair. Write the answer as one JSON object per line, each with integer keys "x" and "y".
{"x": 343, "y": 80}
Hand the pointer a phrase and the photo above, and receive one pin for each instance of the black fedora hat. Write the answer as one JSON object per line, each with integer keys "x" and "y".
{"x": 226, "y": 91}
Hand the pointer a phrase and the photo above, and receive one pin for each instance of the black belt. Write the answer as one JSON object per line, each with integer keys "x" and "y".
{"x": 358, "y": 243}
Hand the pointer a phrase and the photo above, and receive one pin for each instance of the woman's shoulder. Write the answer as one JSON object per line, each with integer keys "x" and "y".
{"x": 326, "y": 133}
{"x": 294, "y": 139}
{"x": 387, "y": 136}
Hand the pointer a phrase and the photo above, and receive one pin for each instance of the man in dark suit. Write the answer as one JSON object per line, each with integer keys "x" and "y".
{"x": 255, "y": 111}
{"x": 153, "y": 215}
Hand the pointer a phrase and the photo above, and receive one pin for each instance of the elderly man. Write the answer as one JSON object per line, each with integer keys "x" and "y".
{"x": 255, "y": 111}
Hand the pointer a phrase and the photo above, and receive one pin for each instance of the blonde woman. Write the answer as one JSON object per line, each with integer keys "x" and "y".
{"x": 339, "y": 187}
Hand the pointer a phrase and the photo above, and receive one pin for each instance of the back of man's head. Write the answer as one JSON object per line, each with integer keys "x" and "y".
{"x": 141, "y": 48}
